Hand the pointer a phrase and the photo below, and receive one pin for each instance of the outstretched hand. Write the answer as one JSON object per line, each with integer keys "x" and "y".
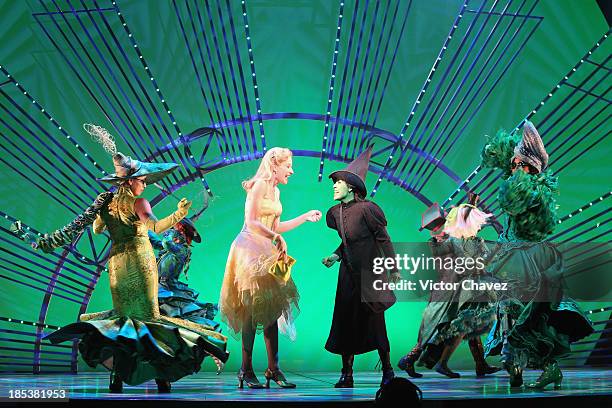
{"x": 330, "y": 260}
{"x": 313, "y": 215}
{"x": 184, "y": 205}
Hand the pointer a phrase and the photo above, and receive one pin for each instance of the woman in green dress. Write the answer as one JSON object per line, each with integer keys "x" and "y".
{"x": 536, "y": 322}
{"x": 452, "y": 316}
{"x": 133, "y": 340}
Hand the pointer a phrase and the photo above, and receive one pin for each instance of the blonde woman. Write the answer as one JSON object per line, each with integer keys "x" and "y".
{"x": 252, "y": 299}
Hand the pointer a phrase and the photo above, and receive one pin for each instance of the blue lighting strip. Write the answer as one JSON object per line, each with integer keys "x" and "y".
{"x": 330, "y": 94}
{"x": 158, "y": 92}
{"x": 478, "y": 168}
{"x": 349, "y": 49}
{"x": 407, "y": 160}
{"x": 384, "y": 172}
{"x": 296, "y": 153}
{"x": 82, "y": 258}
{"x": 585, "y": 231}
{"x": 229, "y": 104}
{"x": 228, "y": 56}
{"x": 87, "y": 88}
{"x": 136, "y": 79}
{"x": 25, "y": 268}
{"x": 381, "y": 133}
{"x": 391, "y": 64}
{"x": 115, "y": 80}
{"x": 64, "y": 164}
{"x": 576, "y": 103}
{"x": 253, "y": 148}
{"x": 341, "y": 150}
{"x": 38, "y": 288}
{"x": 488, "y": 93}
{"x": 378, "y": 47}
{"x": 28, "y": 323}
{"x": 30, "y": 163}
{"x": 254, "y": 77}
{"x": 86, "y": 155}
{"x": 459, "y": 88}
{"x": 33, "y": 256}
{"x": 474, "y": 82}
{"x": 569, "y": 137}
{"x": 218, "y": 106}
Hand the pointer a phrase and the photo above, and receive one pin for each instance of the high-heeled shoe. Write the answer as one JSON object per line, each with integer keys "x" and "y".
{"x": 116, "y": 384}
{"x": 346, "y": 380}
{"x": 406, "y": 363}
{"x": 250, "y": 379}
{"x": 516, "y": 374}
{"x": 163, "y": 386}
{"x": 551, "y": 374}
{"x": 278, "y": 377}
{"x": 444, "y": 370}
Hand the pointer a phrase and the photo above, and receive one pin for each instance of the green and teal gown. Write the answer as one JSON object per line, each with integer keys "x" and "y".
{"x": 536, "y": 321}
{"x": 134, "y": 339}
{"x": 176, "y": 298}
{"x": 449, "y": 314}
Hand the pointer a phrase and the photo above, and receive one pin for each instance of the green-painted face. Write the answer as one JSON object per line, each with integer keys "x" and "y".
{"x": 342, "y": 191}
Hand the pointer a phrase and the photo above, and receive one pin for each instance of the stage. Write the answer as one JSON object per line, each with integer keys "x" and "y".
{"x": 587, "y": 387}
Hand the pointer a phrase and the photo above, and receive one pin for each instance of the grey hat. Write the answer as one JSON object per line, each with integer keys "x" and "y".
{"x": 531, "y": 148}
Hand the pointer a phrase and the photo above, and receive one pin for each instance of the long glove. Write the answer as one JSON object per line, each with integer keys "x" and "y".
{"x": 64, "y": 236}
{"x": 159, "y": 226}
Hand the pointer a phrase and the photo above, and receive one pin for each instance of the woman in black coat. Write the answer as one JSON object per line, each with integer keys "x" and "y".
{"x": 358, "y": 324}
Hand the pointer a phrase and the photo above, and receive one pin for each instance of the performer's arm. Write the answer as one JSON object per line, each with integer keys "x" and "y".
{"x": 65, "y": 235}
{"x": 156, "y": 241}
{"x": 144, "y": 212}
{"x": 284, "y": 226}
{"x": 337, "y": 254}
{"x": 377, "y": 224}
{"x": 98, "y": 225}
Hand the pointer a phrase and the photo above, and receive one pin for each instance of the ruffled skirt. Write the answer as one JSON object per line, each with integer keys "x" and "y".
{"x": 250, "y": 296}
{"x": 176, "y": 299}
{"x": 139, "y": 351}
{"x": 134, "y": 339}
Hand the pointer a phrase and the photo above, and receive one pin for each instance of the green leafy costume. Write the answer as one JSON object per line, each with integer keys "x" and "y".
{"x": 544, "y": 321}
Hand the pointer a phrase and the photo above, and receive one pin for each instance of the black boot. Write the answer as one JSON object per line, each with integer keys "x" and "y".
{"x": 346, "y": 378}
{"x": 406, "y": 363}
{"x": 516, "y": 374}
{"x": 163, "y": 386}
{"x": 116, "y": 384}
{"x": 482, "y": 368}
{"x": 385, "y": 361}
{"x": 387, "y": 376}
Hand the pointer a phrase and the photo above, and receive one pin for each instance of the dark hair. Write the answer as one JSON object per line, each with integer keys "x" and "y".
{"x": 186, "y": 231}
{"x": 399, "y": 389}
{"x": 356, "y": 192}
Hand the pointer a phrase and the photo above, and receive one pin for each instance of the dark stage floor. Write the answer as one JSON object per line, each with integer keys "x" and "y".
{"x": 581, "y": 387}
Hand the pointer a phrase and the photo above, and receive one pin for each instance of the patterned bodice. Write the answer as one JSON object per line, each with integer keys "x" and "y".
{"x": 267, "y": 210}
{"x": 120, "y": 218}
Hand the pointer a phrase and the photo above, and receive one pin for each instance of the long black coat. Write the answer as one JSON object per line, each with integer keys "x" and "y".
{"x": 356, "y": 327}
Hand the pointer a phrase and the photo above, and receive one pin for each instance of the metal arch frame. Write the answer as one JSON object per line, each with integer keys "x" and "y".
{"x": 382, "y": 133}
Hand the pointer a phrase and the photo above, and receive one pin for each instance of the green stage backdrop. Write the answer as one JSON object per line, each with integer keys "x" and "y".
{"x": 292, "y": 43}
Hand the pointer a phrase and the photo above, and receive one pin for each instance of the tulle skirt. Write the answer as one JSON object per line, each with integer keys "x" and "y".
{"x": 250, "y": 296}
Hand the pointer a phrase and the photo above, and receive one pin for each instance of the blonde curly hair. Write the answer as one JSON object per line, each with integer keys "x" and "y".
{"x": 272, "y": 159}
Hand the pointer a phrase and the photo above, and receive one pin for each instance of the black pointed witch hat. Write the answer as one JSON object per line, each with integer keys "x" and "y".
{"x": 355, "y": 173}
